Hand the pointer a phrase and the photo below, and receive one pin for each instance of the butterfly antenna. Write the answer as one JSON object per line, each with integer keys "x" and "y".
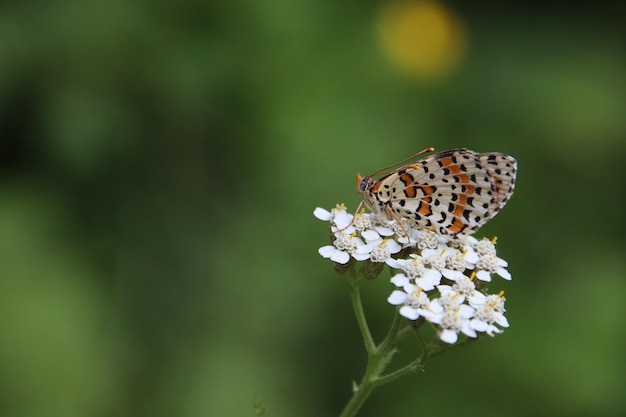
{"x": 427, "y": 150}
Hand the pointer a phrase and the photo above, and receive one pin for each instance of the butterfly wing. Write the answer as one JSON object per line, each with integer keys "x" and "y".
{"x": 454, "y": 192}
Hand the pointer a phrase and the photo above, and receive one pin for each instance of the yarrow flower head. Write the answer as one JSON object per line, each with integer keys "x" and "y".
{"x": 437, "y": 279}
{"x": 489, "y": 309}
{"x": 362, "y": 237}
{"x": 424, "y": 212}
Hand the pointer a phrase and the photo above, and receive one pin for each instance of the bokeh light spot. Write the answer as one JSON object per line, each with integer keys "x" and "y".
{"x": 423, "y": 39}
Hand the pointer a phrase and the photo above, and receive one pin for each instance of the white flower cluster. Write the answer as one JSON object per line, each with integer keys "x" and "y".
{"x": 437, "y": 282}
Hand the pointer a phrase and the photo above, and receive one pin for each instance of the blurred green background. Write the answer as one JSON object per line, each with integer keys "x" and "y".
{"x": 161, "y": 162}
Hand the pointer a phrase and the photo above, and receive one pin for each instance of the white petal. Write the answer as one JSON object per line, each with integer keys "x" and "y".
{"x": 342, "y": 220}
{"x": 371, "y": 236}
{"x": 477, "y": 299}
{"x": 444, "y": 289}
{"x": 409, "y": 312}
{"x": 340, "y": 257}
{"x": 322, "y": 214}
{"x": 327, "y": 251}
{"x": 436, "y": 307}
{"x": 405, "y": 241}
{"x": 400, "y": 280}
{"x": 394, "y": 263}
{"x": 502, "y": 262}
{"x": 358, "y": 241}
{"x": 452, "y": 274}
{"x": 471, "y": 257}
{"x": 431, "y": 314}
{"x": 467, "y": 330}
{"x": 364, "y": 249}
{"x": 345, "y": 229}
{"x": 448, "y": 336}
{"x": 397, "y": 297}
{"x": 384, "y": 231}
{"x": 389, "y": 261}
{"x": 361, "y": 256}
{"x": 501, "y": 320}
{"x": 465, "y": 311}
{"x": 483, "y": 275}
{"x": 428, "y": 283}
{"x": 504, "y": 273}
{"x": 432, "y": 274}
{"x": 478, "y": 325}
{"x": 393, "y": 246}
{"x": 493, "y": 329}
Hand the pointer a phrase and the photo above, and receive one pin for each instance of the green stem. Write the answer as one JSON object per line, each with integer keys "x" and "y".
{"x": 355, "y": 293}
{"x": 378, "y": 357}
{"x": 405, "y": 370}
{"x": 375, "y": 366}
{"x": 392, "y": 335}
{"x": 361, "y": 394}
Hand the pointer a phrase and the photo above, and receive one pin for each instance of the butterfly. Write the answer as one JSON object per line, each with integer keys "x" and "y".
{"x": 453, "y": 192}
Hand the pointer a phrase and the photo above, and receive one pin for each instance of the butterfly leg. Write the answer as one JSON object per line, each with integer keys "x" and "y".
{"x": 392, "y": 215}
{"x": 353, "y": 216}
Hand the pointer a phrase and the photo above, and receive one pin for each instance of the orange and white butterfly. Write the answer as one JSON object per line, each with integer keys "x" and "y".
{"x": 453, "y": 192}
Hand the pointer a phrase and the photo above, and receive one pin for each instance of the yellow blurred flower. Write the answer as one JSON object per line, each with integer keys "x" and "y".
{"x": 422, "y": 38}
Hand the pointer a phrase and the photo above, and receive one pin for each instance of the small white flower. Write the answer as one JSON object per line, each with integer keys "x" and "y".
{"x": 464, "y": 286}
{"x": 455, "y": 264}
{"x": 344, "y": 245}
{"x": 339, "y": 218}
{"x": 450, "y": 314}
{"x": 455, "y": 321}
{"x": 413, "y": 299}
{"x": 427, "y": 240}
{"x": 334, "y": 254}
{"x": 455, "y": 260}
{"x": 401, "y": 229}
{"x": 435, "y": 258}
{"x": 489, "y": 309}
{"x": 413, "y": 267}
{"x": 382, "y": 251}
{"x": 362, "y": 221}
{"x": 381, "y": 225}
{"x": 414, "y": 270}
{"x": 449, "y": 299}
{"x": 465, "y": 245}
{"x": 381, "y": 220}
{"x": 485, "y": 247}
{"x": 378, "y": 250}
{"x": 490, "y": 264}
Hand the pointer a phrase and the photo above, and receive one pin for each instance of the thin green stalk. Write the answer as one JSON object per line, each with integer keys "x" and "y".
{"x": 361, "y": 394}
{"x": 447, "y": 348}
{"x": 411, "y": 368}
{"x": 378, "y": 357}
{"x": 355, "y": 294}
{"x": 392, "y": 335}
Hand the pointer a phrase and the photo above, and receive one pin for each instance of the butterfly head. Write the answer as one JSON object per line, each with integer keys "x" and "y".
{"x": 363, "y": 183}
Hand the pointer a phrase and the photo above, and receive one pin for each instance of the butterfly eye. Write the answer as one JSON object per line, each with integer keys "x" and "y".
{"x": 364, "y": 184}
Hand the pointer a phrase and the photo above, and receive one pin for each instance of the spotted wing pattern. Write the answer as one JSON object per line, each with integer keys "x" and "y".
{"x": 453, "y": 192}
